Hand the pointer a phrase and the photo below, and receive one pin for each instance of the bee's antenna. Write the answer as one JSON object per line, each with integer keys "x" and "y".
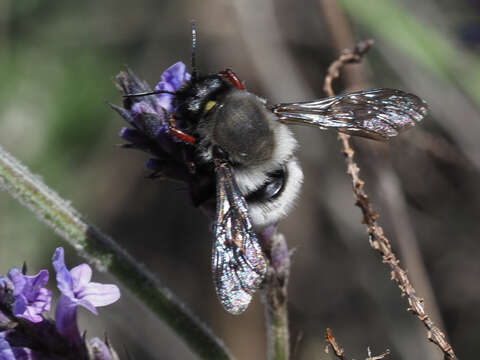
{"x": 149, "y": 93}
{"x": 194, "y": 48}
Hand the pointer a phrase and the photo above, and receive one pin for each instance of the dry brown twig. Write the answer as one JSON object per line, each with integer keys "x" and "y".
{"x": 340, "y": 353}
{"x": 378, "y": 241}
{"x": 337, "y": 350}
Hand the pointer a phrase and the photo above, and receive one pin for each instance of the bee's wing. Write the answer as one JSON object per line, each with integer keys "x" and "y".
{"x": 238, "y": 263}
{"x": 377, "y": 114}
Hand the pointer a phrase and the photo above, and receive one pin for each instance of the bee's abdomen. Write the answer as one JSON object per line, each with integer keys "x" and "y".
{"x": 275, "y": 198}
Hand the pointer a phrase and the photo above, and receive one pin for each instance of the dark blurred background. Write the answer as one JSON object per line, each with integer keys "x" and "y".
{"x": 57, "y": 62}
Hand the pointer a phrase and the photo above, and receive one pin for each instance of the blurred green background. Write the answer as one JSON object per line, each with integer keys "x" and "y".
{"x": 57, "y": 62}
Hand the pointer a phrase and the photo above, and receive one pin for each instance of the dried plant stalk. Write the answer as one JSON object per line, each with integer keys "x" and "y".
{"x": 340, "y": 353}
{"x": 378, "y": 241}
{"x": 337, "y": 350}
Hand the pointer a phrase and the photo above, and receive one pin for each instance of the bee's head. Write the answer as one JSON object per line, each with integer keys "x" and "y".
{"x": 191, "y": 99}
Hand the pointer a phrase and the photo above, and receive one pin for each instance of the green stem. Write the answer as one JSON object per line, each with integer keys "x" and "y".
{"x": 278, "y": 335}
{"x": 101, "y": 250}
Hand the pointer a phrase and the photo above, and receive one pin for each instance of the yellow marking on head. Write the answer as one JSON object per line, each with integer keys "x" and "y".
{"x": 210, "y": 105}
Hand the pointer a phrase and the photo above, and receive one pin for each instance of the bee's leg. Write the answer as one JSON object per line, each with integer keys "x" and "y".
{"x": 233, "y": 78}
{"x": 179, "y": 134}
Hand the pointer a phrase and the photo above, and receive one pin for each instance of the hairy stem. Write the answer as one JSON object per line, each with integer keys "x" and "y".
{"x": 278, "y": 337}
{"x": 104, "y": 252}
{"x": 275, "y": 295}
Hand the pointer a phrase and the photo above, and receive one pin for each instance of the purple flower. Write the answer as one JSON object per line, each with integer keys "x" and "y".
{"x": 28, "y": 335}
{"x": 77, "y": 290}
{"x": 13, "y": 353}
{"x": 172, "y": 80}
{"x": 149, "y": 114}
{"x": 149, "y": 120}
{"x": 6, "y": 352}
{"x": 31, "y": 298}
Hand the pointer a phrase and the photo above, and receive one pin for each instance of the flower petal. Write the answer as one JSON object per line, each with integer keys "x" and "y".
{"x": 176, "y": 75}
{"x": 66, "y": 319}
{"x": 44, "y": 296}
{"x": 18, "y": 280}
{"x": 34, "y": 309}
{"x": 64, "y": 279}
{"x": 31, "y": 298}
{"x": 172, "y": 79}
{"x": 165, "y": 100}
{"x": 39, "y": 280}
{"x": 81, "y": 275}
{"x": 35, "y": 284}
{"x": 6, "y": 352}
{"x": 100, "y": 294}
{"x": 20, "y": 305}
{"x": 87, "y": 305}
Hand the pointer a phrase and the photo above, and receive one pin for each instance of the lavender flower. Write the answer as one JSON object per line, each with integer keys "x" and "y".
{"x": 6, "y": 352}
{"x": 31, "y": 298}
{"x": 77, "y": 290}
{"x": 15, "y": 353}
{"x": 25, "y": 334}
{"x": 172, "y": 80}
{"x": 22, "y": 300}
{"x": 149, "y": 117}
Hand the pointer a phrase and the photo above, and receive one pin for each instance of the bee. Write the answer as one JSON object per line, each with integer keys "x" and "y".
{"x": 252, "y": 150}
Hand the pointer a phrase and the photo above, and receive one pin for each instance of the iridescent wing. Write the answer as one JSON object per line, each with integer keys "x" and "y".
{"x": 238, "y": 263}
{"x": 377, "y": 114}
